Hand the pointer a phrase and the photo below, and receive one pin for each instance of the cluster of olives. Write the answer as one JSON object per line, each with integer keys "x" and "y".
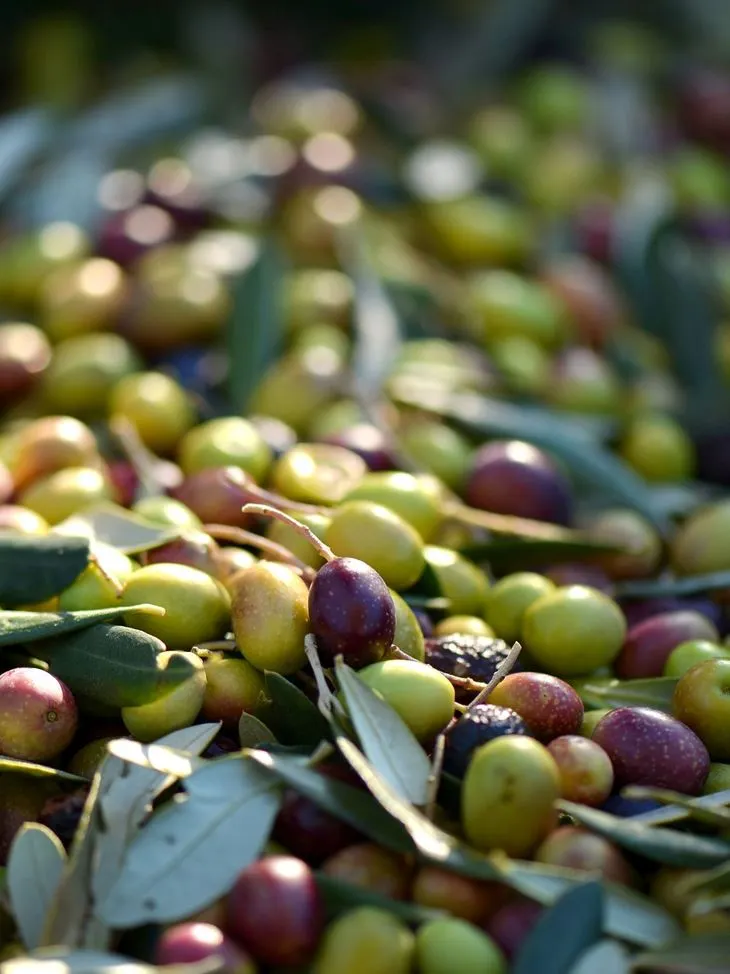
{"x": 111, "y": 383}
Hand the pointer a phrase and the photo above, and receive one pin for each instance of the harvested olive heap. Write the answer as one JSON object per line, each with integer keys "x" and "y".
{"x": 365, "y": 539}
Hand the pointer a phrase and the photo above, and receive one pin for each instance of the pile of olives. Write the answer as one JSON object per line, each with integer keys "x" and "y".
{"x": 303, "y": 517}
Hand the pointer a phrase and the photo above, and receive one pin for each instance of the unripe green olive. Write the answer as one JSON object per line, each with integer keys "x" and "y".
{"x": 223, "y": 442}
{"x": 415, "y": 499}
{"x": 459, "y": 580}
{"x": 421, "y": 695}
{"x": 438, "y": 942}
{"x": 363, "y": 941}
{"x": 173, "y": 711}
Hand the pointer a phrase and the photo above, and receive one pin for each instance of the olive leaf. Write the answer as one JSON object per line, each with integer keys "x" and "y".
{"x": 67, "y": 961}
{"x": 587, "y": 460}
{"x": 352, "y": 805}
{"x": 16, "y": 766}
{"x": 676, "y": 813}
{"x": 160, "y": 758}
{"x": 656, "y": 692}
{"x": 703, "y": 953}
{"x": 33, "y": 569}
{"x": 386, "y": 740}
{"x": 191, "y": 851}
{"x": 564, "y": 932}
{"x": 35, "y": 864}
{"x": 516, "y": 553}
{"x": 116, "y": 526}
{"x": 253, "y": 732}
{"x": 340, "y": 897}
{"x": 290, "y": 714}
{"x": 23, "y": 137}
{"x": 655, "y": 588}
{"x": 18, "y": 627}
{"x": 667, "y": 846}
{"x": 114, "y": 665}
{"x": 605, "y": 957}
{"x": 718, "y": 817}
{"x": 255, "y": 327}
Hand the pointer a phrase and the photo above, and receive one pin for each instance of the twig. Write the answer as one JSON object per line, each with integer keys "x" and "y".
{"x": 227, "y": 532}
{"x": 500, "y": 673}
{"x": 327, "y": 702}
{"x": 265, "y": 510}
{"x": 434, "y": 777}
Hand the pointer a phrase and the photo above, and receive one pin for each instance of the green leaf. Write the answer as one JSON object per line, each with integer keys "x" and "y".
{"x": 586, "y": 460}
{"x": 23, "y": 137}
{"x": 564, "y": 932}
{"x": 39, "y": 771}
{"x": 628, "y": 915}
{"x": 704, "y": 953}
{"x": 114, "y": 665}
{"x": 253, "y": 732}
{"x": 387, "y": 742}
{"x": 290, "y": 714}
{"x": 191, "y": 851}
{"x": 352, "y": 805}
{"x": 35, "y": 864}
{"x": 116, "y": 526}
{"x": 33, "y": 569}
{"x": 675, "y": 813}
{"x": 656, "y": 588}
{"x": 339, "y": 897}
{"x": 717, "y": 817}
{"x": 517, "y": 553}
{"x": 606, "y": 957}
{"x": 255, "y": 328}
{"x": 17, "y": 627}
{"x": 667, "y": 846}
{"x": 656, "y": 692}
{"x": 375, "y": 324}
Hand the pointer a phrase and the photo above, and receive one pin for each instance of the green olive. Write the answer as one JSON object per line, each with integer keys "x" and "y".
{"x": 168, "y": 512}
{"x": 438, "y": 448}
{"x": 317, "y": 473}
{"x": 421, "y": 695}
{"x": 157, "y": 406}
{"x": 100, "y": 584}
{"x": 84, "y": 372}
{"x": 229, "y": 441}
{"x": 298, "y": 387}
{"x": 507, "y": 801}
{"x": 66, "y": 492}
{"x": 415, "y": 499}
{"x": 700, "y": 544}
{"x": 291, "y": 539}
{"x": 658, "y": 448}
{"x": 458, "y": 580}
{"x": 463, "y": 625}
{"x": 173, "y": 711}
{"x": 83, "y": 298}
{"x": 573, "y": 630}
{"x": 365, "y": 940}
{"x": 438, "y": 942}
{"x": 510, "y": 305}
{"x": 378, "y": 536}
{"x": 314, "y": 295}
{"x": 408, "y": 633}
{"x": 197, "y": 608}
{"x": 270, "y": 616}
{"x": 509, "y": 599}
{"x": 479, "y": 230}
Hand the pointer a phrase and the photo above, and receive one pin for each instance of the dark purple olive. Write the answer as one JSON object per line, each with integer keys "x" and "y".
{"x": 368, "y": 442}
{"x": 351, "y": 612}
{"x": 512, "y": 477}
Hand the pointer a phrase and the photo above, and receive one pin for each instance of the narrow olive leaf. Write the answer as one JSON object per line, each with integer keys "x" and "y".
{"x": 676, "y": 813}
{"x": 66, "y": 961}
{"x": 15, "y": 766}
{"x": 628, "y": 915}
{"x": 253, "y": 732}
{"x": 289, "y": 713}
{"x": 116, "y": 526}
{"x": 717, "y": 817}
{"x": 528, "y": 551}
{"x": 513, "y": 531}
{"x": 656, "y": 692}
{"x": 587, "y": 460}
{"x": 33, "y": 569}
{"x": 35, "y": 864}
{"x": 667, "y": 846}
{"x": 352, "y": 805}
{"x": 339, "y": 897}
{"x": 255, "y": 328}
{"x": 114, "y": 665}
{"x": 564, "y": 932}
{"x": 605, "y": 957}
{"x": 18, "y": 627}
{"x": 191, "y": 851}
{"x": 702, "y": 953}
{"x": 674, "y": 587}
{"x": 375, "y": 323}
{"x": 163, "y": 760}
{"x": 23, "y": 137}
{"x": 387, "y": 742}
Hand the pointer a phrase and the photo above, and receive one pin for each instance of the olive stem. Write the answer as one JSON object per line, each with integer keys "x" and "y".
{"x": 434, "y": 777}
{"x": 146, "y": 464}
{"x": 268, "y": 497}
{"x": 326, "y": 702}
{"x": 227, "y": 532}
{"x": 107, "y": 576}
{"x": 500, "y": 673}
{"x": 264, "y": 510}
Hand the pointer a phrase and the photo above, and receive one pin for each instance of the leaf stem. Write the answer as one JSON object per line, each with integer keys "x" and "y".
{"x": 434, "y": 777}
{"x": 265, "y": 510}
